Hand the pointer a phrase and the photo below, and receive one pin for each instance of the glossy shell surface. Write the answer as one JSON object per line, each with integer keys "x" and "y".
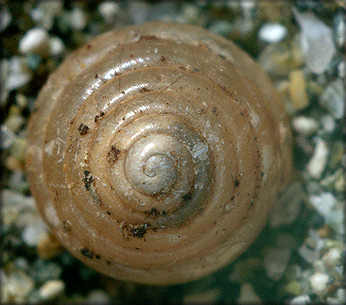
{"x": 156, "y": 153}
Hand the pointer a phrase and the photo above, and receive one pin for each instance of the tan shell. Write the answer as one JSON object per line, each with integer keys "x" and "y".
{"x": 155, "y": 153}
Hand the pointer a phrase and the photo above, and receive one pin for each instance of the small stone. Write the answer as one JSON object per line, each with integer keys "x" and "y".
{"x": 339, "y": 29}
{"x": 108, "y": 10}
{"x": 18, "y": 73}
{"x": 221, "y": 27}
{"x": 272, "y": 32}
{"x": 164, "y": 10}
{"x": 318, "y": 162}
{"x": 310, "y": 255}
{"x": 288, "y": 206}
{"x": 279, "y": 59}
{"x": 78, "y": 19}
{"x": 19, "y": 285}
{"x": 98, "y": 297}
{"x": 319, "y": 266}
{"x": 324, "y": 231}
{"x": 21, "y": 101}
{"x": 56, "y": 46}
{"x": 248, "y": 7}
{"x": 31, "y": 234}
{"x": 336, "y": 155}
{"x": 276, "y": 261}
{"x": 333, "y": 98}
{"x": 139, "y": 11}
{"x": 13, "y": 203}
{"x": 323, "y": 202}
{"x": 335, "y": 220}
{"x": 5, "y": 18}
{"x": 7, "y": 137}
{"x": 48, "y": 246}
{"x": 22, "y": 263}
{"x": 14, "y": 199}
{"x": 3, "y": 287}
{"x": 33, "y": 61}
{"x": 286, "y": 241}
{"x": 4, "y": 71}
{"x": 207, "y": 297}
{"x": 13, "y": 164}
{"x": 293, "y": 272}
{"x": 300, "y": 300}
{"x": 245, "y": 269}
{"x": 340, "y": 183}
{"x": 319, "y": 282}
{"x": 17, "y": 149}
{"x": 297, "y": 90}
{"x": 332, "y": 257}
{"x": 248, "y": 295}
{"x": 190, "y": 13}
{"x": 330, "y": 181}
{"x": 341, "y": 69}
{"x": 14, "y": 122}
{"x": 304, "y": 144}
{"x": 333, "y": 301}
{"x": 328, "y": 123}
{"x": 18, "y": 182}
{"x": 43, "y": 271}
{"x": 304, "y": 125}
{"x": 293, "y": 287}
{"x": 341, "y": 294}
{"x": 52, "y": 289}
{"x": 35, "y": 41}
{"x": 316, "y": 40}
{"x": 45, "y": 12}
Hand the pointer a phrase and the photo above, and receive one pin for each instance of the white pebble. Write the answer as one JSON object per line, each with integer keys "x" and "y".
{"x": 323, "y": 203}
{"x": 19, "y": 285}
{"x": 44, "y": 12}
{"x": 304, "y": 125}
{"x": 318, "y": 161}
{"x": 56, "y": 46}
{"x": 272, "y": 32}
{"x": 316, "y": 41}
{"x": 32, "y": 233}
{"x": 7, "y": 137}
{"x": 332, "y": 257}
{"x": 51, "y": 289}
{"x": 98, "y": 297}
{"x": 5, "y": 18}
{"x": 300, "y": 300}
{"x": 341, "y": 294}
{"x": 319, "y": 282}
{"x": 79, "y": 19}
{"x": 108, "y": 10}
{"x": 35, "y": 41}
{"x": 333, "y": 98}
{"x": 18, "y": 73}
{"x": 328, "y": 123}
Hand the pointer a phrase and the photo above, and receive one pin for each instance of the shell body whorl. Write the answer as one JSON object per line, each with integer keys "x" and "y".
{"x": 155, "y": 153}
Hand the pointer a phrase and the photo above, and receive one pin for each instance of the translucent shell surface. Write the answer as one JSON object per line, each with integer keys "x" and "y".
{"x": 155, "y": 153}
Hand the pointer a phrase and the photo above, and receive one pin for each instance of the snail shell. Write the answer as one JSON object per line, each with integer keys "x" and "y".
{"x": 155, "y": 153}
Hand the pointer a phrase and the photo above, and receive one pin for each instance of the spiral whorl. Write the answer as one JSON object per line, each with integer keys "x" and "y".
{"x": 155, "y": 152}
